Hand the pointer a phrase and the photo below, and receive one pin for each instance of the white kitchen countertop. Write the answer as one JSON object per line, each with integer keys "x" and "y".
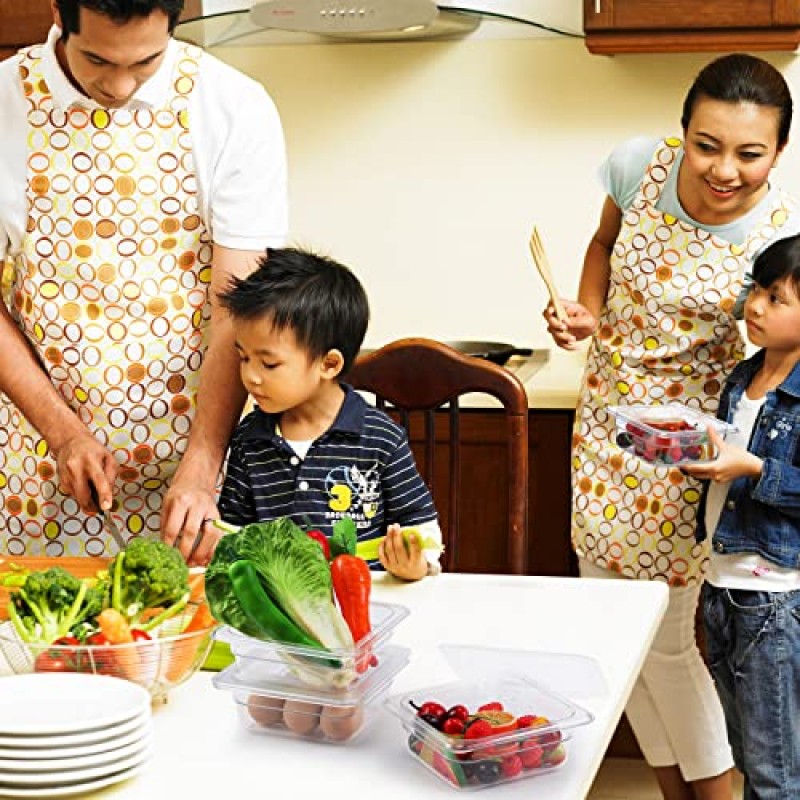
{"x": 202, "y": 750}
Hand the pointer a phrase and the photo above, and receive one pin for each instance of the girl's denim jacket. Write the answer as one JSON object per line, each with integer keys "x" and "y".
{"x": 763, "y": 516}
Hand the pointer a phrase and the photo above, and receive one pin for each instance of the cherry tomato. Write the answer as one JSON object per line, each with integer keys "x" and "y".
{"x": 51, "y": 661}
{"x": 100, "y": 658}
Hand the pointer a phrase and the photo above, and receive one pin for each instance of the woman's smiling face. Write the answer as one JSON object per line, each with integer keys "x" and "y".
{"x": 730, "y": 149}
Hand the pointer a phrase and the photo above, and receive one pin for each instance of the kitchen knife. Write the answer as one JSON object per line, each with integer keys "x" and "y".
{"x": 108, "y": 521}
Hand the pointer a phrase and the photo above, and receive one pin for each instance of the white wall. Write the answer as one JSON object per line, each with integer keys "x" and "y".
{"x": 424, "y": 165}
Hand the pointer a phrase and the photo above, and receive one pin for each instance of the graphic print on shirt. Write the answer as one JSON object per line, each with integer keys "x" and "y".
{"x": 353, "y": 493}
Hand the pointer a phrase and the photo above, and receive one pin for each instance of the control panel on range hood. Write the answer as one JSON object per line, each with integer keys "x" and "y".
{"x": 252, "y": 22}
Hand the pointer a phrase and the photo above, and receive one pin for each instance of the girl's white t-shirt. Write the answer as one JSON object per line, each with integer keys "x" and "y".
{"x": 747, "y": 571}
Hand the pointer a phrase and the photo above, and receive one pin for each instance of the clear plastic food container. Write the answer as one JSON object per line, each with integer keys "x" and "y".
{"x": 669, "y": 435}
{"x": 270, "y": 700}
{"x": 510, "y": 728}
{"x": 320, "y": 668}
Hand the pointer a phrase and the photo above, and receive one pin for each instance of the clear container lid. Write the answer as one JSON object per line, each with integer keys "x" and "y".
{"x": 655, "y": 419}
{"x": 555, "y": 715}
{"x": 276, "y": 679}
{"x": 384, "y": 618}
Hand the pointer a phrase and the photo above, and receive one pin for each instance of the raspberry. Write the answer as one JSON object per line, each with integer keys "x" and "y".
{"x": 478, "y": 729}
{"x": 511, "y": 766}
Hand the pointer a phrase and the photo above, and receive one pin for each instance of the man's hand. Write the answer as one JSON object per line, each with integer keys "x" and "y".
{"x": 406, "y": 562}
{"x": 80, "y": 460}
{"x": 186, "y": 519}
{"x": 731, "y": 462}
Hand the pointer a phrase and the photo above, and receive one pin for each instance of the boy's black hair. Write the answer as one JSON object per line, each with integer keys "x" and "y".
{"x": 120, "y": 11}
{"x": 777, "y": 262}
{"x": 320, "y": 300}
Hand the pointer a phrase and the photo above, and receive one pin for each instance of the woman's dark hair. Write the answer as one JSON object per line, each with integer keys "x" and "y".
{"x": 118, "y": 10}
{"x": 777, "y": 262}
{"x": 742, "y": 78}
{"x": 319, "y": 300}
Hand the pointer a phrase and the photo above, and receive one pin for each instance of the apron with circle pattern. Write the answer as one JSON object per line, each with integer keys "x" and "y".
{"x": 666, "y": 334}
{"x": 111, "y": 291}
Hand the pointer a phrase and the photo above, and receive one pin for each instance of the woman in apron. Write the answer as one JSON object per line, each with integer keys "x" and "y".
{"x": 661, "y": 277}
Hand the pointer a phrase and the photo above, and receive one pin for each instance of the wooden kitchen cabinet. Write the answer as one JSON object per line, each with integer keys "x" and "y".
{"x": 23, "y": 22}
{"x": 672, "y": 26}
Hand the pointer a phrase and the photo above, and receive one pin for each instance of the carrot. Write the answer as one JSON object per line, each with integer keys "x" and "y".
{"x": 117, "y": 631}
{"x": 114, "y": 626}
{"x": 184, "y": 651}
{"x": 201, "y": 619}
{"x": 197, "y": 587}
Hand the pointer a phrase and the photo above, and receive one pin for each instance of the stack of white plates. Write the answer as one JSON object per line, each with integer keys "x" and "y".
{"x": 68, "y": 733}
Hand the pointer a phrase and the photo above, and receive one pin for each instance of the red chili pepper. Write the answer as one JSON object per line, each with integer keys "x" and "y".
{"x": 352, "y": 584}
{"x": 319, "y": 536}
{"x": 140, "y": 636}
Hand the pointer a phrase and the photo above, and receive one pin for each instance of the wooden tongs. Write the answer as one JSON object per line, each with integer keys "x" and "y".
{"x": 543, "y": 265}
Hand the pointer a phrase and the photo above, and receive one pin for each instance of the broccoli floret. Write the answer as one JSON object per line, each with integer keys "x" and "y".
{"x": 148, "y": 574}
{"x": 53, "y": 603}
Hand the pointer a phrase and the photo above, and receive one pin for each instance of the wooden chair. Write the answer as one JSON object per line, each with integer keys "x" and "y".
{"x": 415, "y": 377}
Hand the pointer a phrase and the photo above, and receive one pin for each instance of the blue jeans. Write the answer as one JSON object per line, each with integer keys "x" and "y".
{"x": 754, "y": 655}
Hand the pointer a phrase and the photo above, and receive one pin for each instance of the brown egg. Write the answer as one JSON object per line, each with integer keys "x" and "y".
{"x": 341, "y": 722}
{"x": 300, "y": 717}
{"x": 265, "y": 710}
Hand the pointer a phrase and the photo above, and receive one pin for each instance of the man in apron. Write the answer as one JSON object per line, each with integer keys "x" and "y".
{"x": 137, "y": 174}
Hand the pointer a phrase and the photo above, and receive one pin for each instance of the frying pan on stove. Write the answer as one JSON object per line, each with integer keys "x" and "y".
{"x": 497, "y": 352}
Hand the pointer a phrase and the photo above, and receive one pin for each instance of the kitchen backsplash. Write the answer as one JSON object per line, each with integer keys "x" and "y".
{"x": 424, "y": 166}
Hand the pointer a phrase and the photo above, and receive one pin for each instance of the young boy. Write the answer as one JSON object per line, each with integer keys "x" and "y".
{"x": 313, "y": 449}
{"x": 751, "y": 599}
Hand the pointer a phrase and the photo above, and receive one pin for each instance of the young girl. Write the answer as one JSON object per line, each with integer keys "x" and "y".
{"x": 681, "y": 224}
{"x": 751, "y": 600}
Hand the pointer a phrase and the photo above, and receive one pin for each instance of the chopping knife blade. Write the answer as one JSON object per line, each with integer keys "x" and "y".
{"x": 108, "y": 521}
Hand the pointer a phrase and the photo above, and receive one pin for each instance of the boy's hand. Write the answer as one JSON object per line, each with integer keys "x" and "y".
{"x": 731, "y": 462}
{"x": 408, "y": 563}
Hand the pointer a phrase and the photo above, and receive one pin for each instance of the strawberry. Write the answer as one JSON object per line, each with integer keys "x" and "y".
{"x": 493, "y": 706}
{"x": 530, "y": 755}
{"x": 511, "y": 766}
{"x": 478, "y": 729}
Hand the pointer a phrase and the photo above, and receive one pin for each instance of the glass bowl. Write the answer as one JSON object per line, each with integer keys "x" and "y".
{"x": 158, "y": 664}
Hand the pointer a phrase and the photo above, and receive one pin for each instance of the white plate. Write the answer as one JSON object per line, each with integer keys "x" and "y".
{"x": 65, "y": 777}
{"x": 47, "y": 703}
{"x": 60, "y": 764}
{"x": 136, "y": 734}
{"x": 64, "y": 790}
{"x": 98, "y": 736}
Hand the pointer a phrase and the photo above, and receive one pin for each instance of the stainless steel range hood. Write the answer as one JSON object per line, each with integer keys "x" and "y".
{"x": 254, "y": 22}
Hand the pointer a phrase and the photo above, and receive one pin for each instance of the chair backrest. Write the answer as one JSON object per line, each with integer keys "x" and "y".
{"x": 422, "y": 375}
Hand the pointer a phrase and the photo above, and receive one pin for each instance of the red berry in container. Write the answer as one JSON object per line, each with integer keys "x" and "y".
{"x": 478, "y": 729}
{"x": 493, "y": 706}
{"x": 453, "y": 726}
{"x": 458, "y": 712}
{"x": 430, "y": 707}
{"x": 511, "y": 766}
{"x": 530, "y": 754}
